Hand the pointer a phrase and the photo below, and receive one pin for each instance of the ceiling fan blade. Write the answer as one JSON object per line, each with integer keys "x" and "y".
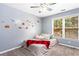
{"x": 52, "y": 3}
{"x": 49, "y": 9}
{"x": 34, "y": 6}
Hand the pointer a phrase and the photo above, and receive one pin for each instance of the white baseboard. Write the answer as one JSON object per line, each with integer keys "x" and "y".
{"x": 69, "y": 46}
{"x": 9, "y": 50}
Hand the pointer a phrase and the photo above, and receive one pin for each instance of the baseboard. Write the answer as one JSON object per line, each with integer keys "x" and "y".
{"x": 69, "y": 45}
{"x": 9, "y": 50}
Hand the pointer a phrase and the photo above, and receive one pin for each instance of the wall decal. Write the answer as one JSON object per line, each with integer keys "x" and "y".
{"x": 23, "y": 23}
{"x": 20, "y": 27}
{"x": 26, "y": 24}
{"x": 7, "y": 26}
{"x": 26, "y": 27}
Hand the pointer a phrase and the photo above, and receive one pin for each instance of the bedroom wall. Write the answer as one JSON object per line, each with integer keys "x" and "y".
{"x": 47, "y": 26}
{"x": 47, "y": 21}
{"x": 14, "y": 36}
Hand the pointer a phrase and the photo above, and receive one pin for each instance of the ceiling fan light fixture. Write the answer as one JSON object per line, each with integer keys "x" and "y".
{"x": 39, "y": 11}
{"x": 49, "y": 9}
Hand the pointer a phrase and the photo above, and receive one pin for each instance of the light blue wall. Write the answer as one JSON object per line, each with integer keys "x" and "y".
{"x": 14, "y": 37}
{"x": 47, "y": 21}
{"x": 47, "y": 25}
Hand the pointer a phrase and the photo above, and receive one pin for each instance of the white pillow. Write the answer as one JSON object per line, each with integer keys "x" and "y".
{"x": 39, "y": 37}
{"x": 46, "y": 36}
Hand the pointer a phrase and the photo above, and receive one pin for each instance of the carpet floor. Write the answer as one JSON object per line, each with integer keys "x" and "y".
{"x": 57, "y": 50}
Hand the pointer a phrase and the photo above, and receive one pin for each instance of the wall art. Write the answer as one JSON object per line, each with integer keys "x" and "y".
{"x": 20, "y": 27}
{"x": 7, "y": 26}
{"x": 23, "y": 23}
{"x": 26, "y": 27}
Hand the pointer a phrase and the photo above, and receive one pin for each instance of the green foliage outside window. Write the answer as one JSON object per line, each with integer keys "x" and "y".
{"x": 58, "y": 23}
{"x": 71, "y": 22}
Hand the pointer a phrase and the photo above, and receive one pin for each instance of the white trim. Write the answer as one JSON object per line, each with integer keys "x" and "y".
{"x": 52, "y": 26}
{"x": 63, "y": 24}
{"x": 78, "y": 27}
{"x": 63, "y": 27}
{"x": 69, "y": 45}
{"x": 9, "y": 50}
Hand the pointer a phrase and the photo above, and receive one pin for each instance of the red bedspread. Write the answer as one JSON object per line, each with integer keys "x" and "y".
{"x": 46, "y": 43}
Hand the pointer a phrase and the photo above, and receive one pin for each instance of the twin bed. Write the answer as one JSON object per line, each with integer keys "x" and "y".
{"x": 39, "y": 47}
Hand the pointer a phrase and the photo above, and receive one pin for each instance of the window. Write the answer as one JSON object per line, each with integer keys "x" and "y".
{"x": 58, "y": 27}
{"x": 66, "y": 27}
{"x": 71, "y": 27}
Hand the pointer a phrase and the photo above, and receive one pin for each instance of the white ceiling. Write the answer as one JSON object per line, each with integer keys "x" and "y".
{"x": 35, "y": 11}
{"x": 39, "y": 1}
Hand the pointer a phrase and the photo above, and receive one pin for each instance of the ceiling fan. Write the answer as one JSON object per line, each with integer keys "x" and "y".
{"x": 43, "y": 5}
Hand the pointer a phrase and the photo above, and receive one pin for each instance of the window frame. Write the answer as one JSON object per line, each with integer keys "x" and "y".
{"x": 63, "y": 24}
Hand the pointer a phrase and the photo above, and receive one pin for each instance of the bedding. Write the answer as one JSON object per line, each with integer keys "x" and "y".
{"x": 39, "y": 37}
{"x": 40, "y": 45}
{"x": 38, "y": 50}
{"x": 46, "y": 43}
{"x": 45, "y": 36}
{"x": 37, "y": 47}
{"x": 52, "y": 42}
